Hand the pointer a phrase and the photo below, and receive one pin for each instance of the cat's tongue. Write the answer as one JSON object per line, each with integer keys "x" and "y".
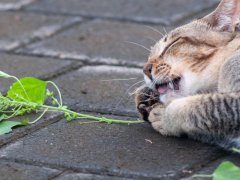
{"x": 163, "y": 89}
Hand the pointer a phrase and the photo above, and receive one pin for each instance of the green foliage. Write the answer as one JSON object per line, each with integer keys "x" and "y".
{"x": 33, "y": 91}
{"x": 28, "y": 95}
{"x": 236, "y": 150}
{"x": 4, "y": 75}
{"x": 226, "y": 170}
{"x": 6, "y": 126}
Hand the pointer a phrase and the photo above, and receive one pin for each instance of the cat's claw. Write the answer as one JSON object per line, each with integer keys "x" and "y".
{"x": 144, "y": 111}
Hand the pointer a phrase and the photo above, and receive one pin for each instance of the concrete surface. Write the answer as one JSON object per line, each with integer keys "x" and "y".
{"x": 81, "y": 45}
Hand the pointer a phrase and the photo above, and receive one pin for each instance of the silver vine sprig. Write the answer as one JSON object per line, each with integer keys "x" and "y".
{"x": 29, "y": 95}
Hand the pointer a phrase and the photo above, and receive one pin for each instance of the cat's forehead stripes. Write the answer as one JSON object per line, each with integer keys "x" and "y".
{"x": 163, "y": 44}
{"x": 202, "y": 60}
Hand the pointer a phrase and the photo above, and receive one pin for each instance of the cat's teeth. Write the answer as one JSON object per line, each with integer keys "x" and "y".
{"x": 171, "y": 85}
{"x": 163, "y": 98}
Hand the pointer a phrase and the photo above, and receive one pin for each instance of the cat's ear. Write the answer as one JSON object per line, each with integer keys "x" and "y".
{"x": 226, "y": 16}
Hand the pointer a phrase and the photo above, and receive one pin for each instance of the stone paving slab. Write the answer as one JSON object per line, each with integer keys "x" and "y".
{"x": 82, "y": 176}
{"x": 120, "y": 150}
{"x": 96, "y": 40}
{"x": 25, "y": 27}
{"x": 14, "y": 4}
{"x": 151, "y": 11}
{"x": 94, "y": 151}
{"x": 23, "y": 66}
{"x": 209, "y": 169}
{"x": 11, "y": 1}
{"x": 17, "y": 133}
{"x": 11, "y": 171}
{"x": 101, "y": 88}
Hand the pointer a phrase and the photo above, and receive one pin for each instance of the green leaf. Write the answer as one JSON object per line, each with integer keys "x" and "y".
{"x": 2, "y": 117}
{"x": 236, "y": 150}
{"x": 227, "y": 170}
{"x": 6, "y": 126}
{"x": 25, "y": 122}
{"x": 4, "y": 75}
{"x": 34, "y": 90}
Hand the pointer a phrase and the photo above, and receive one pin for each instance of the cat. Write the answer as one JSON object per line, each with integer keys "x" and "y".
{"x": 192, "y": 80}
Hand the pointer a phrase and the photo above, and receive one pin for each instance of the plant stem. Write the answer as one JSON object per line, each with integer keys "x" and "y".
{"x": 59, "y": 93}
{"x": 21, "y": 86}
{"x": 15, "y": 112}
{"x": 39, "y": 116}
{"x": 79, "y": 115}
{"x": 236, "y": 150}
{"x": 202, "y": 176}
{"x": 100, "y": 119}
{"x": 91, "y": 122}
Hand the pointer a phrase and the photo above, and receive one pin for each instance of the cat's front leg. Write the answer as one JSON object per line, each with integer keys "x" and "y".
{"x": 164, "y": 118}
{"x": 168, "y": 120}
{"x": 161, "y": 117}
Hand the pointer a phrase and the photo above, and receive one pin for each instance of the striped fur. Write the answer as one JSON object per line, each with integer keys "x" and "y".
{"x": 205, "y": 55}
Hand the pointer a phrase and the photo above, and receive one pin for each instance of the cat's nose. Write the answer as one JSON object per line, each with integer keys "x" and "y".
{"x": 147, "y": 69}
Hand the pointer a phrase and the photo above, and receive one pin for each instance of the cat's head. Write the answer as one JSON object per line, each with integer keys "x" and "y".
{"x": 186, "y": 61}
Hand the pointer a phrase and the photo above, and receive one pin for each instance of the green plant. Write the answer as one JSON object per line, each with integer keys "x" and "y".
{"x": 226, "y": 170}
{"x": 29, "y": 95}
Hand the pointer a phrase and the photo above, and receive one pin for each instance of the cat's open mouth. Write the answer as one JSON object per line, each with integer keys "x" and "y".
{"x": 173, "y": 85}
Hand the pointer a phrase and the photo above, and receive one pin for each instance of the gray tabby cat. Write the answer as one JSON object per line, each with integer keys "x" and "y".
{"x": 193, "y": 80}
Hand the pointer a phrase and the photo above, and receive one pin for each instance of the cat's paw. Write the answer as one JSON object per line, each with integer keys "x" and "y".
{"x": 145, "y": 100}
{"x": 166, "y": 119}
{"x": 157, "y": 119}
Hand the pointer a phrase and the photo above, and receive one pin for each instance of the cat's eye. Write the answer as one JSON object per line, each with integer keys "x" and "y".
{"x": 169, "y": 46}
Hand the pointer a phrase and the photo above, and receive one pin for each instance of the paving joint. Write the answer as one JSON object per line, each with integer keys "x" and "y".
{"x": 82, "y": 58}
{"x": 89, "y": 170}
{"x": 69, "y": 68}
{"x": 56, "y": 118}
{"x": 15, "y": 6}
{"x": 203, "y": 164}
{"x": 58, "y": 175}
{"x": 31, "y": 130}
{"x": 43, "y": 33}
{"x": 31, "y": 163}
{"x": 137, "y": 20}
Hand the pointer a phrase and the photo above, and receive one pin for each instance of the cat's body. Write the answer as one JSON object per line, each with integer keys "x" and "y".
{"x": 196, "y": 71}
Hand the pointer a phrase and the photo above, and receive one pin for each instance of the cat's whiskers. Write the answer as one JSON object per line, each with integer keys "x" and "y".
{"x": 165, "y": 31}
{"x": 153, "y": 84}
{"x": 154, "y": 29}
{"x": 137, "y": 44}
{"x": 109, "y": 80}
{"x": 126, "y": 92}
{"x": 150, "y": 38}
{"x": 135, "y": 90}
{"x": 155, "y": 80}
